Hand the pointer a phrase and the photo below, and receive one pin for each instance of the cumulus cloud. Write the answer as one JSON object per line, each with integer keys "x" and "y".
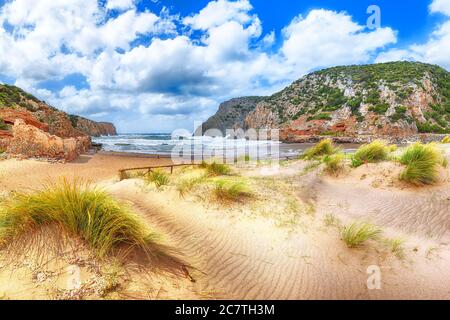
{"x": 325, "y": 38}
{"x": 435, "y": 50}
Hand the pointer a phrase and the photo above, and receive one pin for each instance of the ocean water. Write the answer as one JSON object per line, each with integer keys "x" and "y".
{"x": 165, "y": 144}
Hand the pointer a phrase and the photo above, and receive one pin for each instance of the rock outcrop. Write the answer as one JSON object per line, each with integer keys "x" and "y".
{"x": 397, "y": 99}
{"x": 92, "y": 128}
{"x": 30, "y": 141}
{"x": 52, "y": 133}
{"x": 231, "y": 115}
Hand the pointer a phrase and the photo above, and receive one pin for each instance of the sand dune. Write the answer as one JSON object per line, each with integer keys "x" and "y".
{"x": 236, "y": 255}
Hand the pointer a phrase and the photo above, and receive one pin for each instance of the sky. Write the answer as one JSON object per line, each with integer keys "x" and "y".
{"x": 161, "y": 65}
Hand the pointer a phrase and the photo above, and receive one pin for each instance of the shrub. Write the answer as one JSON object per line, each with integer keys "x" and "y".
{"x": 230, "y": 191}
{"x": 334, "y": 164}
{"x": 372, "y": 152}
{"x": 357, "y": 233}
{"x": 422, "y": 162}
{"x": 158, "y": 177}
{"x": 218, "y": 169}
{"x": 446, "y": 139}
{"x": 322, "y": 148}
{"x": 81, "y": 210}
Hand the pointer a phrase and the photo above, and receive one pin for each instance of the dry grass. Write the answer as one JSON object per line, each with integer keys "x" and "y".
{"x": 334, "y": 164}
{"x": 81, "y": 210}
{"x": 230, "y": 191}
{"x": 322, "y": 148}
{"x": 375, "y": 151}
{"x": 357, "y": 233}
{"x": 158, "y": 177}
{"x": 422, "y": 162}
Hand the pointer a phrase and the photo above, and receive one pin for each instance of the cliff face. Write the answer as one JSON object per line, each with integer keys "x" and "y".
{"x": 42, "y": 125}
{"x": 391, "y": 99}
{"x": 231, "y": 115}
{"x": 92, "y": 128}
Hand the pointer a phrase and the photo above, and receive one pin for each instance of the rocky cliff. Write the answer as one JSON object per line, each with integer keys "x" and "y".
{"x": 397, "y": 99}
{"x": 231, "y": 114}
{"x": 50, "y": 132}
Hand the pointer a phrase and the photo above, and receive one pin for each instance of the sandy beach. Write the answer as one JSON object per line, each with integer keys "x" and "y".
{"x": 283, "y": 243}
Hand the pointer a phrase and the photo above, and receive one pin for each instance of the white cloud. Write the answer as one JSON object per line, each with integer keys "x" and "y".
{"x": 435, "y": 50}
{"x": 120, "y": 4}
{"x": 441, "y": 6}
{"x": 325, "y": 38}
{"x": 219, "y": 12}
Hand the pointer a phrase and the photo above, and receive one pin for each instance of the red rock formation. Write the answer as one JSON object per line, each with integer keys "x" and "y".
{"x": 31, "y": 141}
{"x": 10, "y": 115}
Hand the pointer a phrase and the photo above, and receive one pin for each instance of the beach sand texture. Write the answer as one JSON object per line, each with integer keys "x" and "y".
{"x": 244, "y": 252}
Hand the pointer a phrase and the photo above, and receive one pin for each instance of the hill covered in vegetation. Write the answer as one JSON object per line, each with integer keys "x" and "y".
{"x": 396, "y": 98}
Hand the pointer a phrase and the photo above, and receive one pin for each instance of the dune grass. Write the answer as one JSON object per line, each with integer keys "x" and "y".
{"x": 396, "y": 247}
{"x": 322, "y": 148}
{"x": 446, "y": 139}
{"x": 334, "y": 164}
{"x": 357, "y": 233}
{"x": 225, "y": 190}
{"x": 81, "y": 210}
{"x": 422, "y": 162}
{"x": 217, "y": 169}
{"x": 185, "y": 185}
{"x": 158, "y": 177}
{"x": 375, "y": 151}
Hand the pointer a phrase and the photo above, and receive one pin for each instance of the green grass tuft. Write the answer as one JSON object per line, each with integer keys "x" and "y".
{"x": 334, "y": 164}
{"x": 230, "y": 191}
{"x": 218, "y": 169}
{"x": 158, "y": 177}
{"x": 446, "y": 139}
{"x": 357, "y": 233}
{"x": 373, "y": 152}
{"x": 185, "y": 185}
{"x": 322, "y": 148}
{"x": 81, "y": 210}
{"x": 422, "y": 162}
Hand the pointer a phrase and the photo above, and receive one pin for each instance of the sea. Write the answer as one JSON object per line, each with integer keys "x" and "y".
{"x": 165, "y": 144}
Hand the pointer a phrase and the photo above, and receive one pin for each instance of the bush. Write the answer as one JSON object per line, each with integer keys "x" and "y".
{"x": 372, "y": 152}
{"x": 322, "y": 148}
{"x": 334, "y": 164}
{"x": 158, "y": 177}
{"x": 230, "y": 191}
{"x": 422, "y": 162}
{"x": 357, "y": 233}
{"x": 81, "y": 210}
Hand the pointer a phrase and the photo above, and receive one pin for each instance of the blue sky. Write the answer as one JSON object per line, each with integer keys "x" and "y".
{"x": 158, "y": 65}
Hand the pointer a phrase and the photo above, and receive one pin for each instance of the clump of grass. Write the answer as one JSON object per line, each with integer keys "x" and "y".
{"x": 158, "y": 177}
{"x": 357, "y": 233}
{"x": 422, "y": 162}
{"x": 322, "y": 148}
{"x": 334, "y": 164}
{"x": 218, "y": 169}
{"x": 373, "y": 152}
{"x": 230, "y": 191}
{"x": 81, "y": 210}
{"x": 331, "y": 220}
{"x": 392, "y": 147}
{"x": 396, "y": 247}
{"x": 187, "y": 184}
{"x": 446, "y": 139}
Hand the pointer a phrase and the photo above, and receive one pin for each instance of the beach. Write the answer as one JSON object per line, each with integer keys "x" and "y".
{"x": 282, "y": 242}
